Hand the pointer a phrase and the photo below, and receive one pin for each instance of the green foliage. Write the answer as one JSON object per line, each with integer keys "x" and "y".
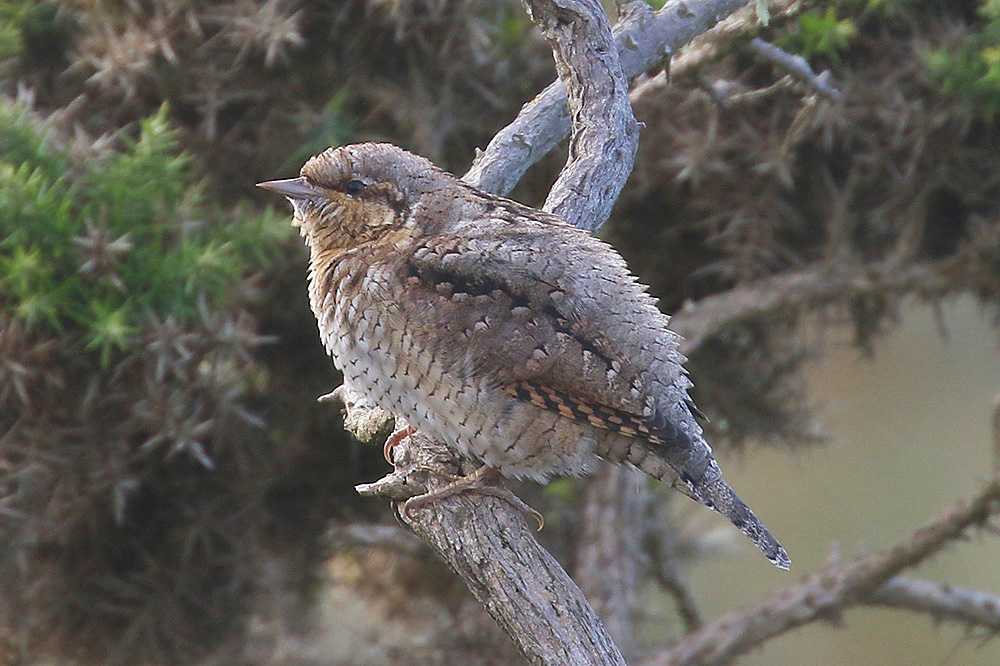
{"x": 972, "y": 70}
{"x": 821, "y": 34}
{"x": 106, "y": 242}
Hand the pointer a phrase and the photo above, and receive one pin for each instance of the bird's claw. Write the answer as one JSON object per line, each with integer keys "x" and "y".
{"x": 394, "y": 440}
{"x": 478, "y": 482}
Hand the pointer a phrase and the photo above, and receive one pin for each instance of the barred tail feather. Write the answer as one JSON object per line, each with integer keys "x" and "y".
{"x": 663, "y": 451}
{"x": 719, "y": 496}
{"x": 707, "y": 487}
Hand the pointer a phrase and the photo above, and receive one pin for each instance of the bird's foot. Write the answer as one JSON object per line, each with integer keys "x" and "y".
{"x": 394, "y": 440}
{"x": 481, "y": 481}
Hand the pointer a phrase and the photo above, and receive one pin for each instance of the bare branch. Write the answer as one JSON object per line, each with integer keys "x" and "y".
{"x": 787, "y": 292}
{"x": 826, "y": 594}
{"x": 739, "y": 27}
{"x": 666, "y": 573}
{"x": 605, "y": 134}
{"x": 609, "y": 548}
{"x": 643, "y": 38}
{"x": 939, "y": 600}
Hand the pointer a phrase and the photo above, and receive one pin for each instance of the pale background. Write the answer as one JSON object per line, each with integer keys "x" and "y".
{"x": 912, "y": 435}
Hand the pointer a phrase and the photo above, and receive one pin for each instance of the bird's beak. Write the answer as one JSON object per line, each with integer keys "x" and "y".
{"x": 293, "y": 188}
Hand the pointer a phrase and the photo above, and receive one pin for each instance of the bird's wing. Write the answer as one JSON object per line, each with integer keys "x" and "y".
{"x": 546, "y": 306}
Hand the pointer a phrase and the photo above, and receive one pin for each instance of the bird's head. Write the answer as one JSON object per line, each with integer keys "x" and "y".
{"x": 359, "y": 193}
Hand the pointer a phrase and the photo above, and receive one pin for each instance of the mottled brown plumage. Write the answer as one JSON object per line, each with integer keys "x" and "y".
{"x": 517, "y": 339}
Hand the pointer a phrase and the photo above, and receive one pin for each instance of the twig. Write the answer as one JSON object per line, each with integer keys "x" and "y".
{"x": 667, "y": 575}
{"x": 667, "y": 547}
{"x": 713, "y": 44}
{"x": 940, "y": 601}
{"x": 795, "y": 65}
{"x": 739, "y": 27}
{"x": 827, "y": 594}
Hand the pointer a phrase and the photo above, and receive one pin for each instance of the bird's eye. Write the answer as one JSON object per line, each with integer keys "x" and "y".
{"x": 354, "y": 186}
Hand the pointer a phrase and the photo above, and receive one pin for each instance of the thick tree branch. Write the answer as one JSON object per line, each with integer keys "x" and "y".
{"x": 644, "y": 39}
{"x": 828, "y": 593}
{"x": 605, "y": 134}
{"x": 487, "y": 542}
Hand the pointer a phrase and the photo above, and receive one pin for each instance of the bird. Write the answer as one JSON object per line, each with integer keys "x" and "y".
{"x": 518, "y": 340}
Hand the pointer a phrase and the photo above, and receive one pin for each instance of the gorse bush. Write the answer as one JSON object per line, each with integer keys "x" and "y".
{"x": 971, "y": 69}
{"x": 105, "y": 243}
{"x": 127, "y": 372}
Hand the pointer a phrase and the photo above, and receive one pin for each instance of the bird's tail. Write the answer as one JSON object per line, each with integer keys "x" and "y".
{"x": 703, "y": 482}
{"x": 719, "y": 496}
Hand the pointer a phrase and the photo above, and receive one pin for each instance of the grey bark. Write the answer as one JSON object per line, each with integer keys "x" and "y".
{"x": 609, "y": 548}
{"x": 488, "y": 543}
{"x": 644, "y": 40}
{"x": 605, "y": 134}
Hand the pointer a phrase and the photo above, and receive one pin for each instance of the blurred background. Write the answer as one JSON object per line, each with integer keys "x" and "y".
{"x": 170, "y": 492}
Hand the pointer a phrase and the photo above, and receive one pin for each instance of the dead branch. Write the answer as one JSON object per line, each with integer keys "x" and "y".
{"x": 790, "y": 292}
{"x": 939, "y": 600}
{"x": 644, "y": 39}
{"x": 605, "y": 134}
{"x": 828, "y": 593}
{"x": 795, "y": 65}
{"x": 739, "y": 27}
